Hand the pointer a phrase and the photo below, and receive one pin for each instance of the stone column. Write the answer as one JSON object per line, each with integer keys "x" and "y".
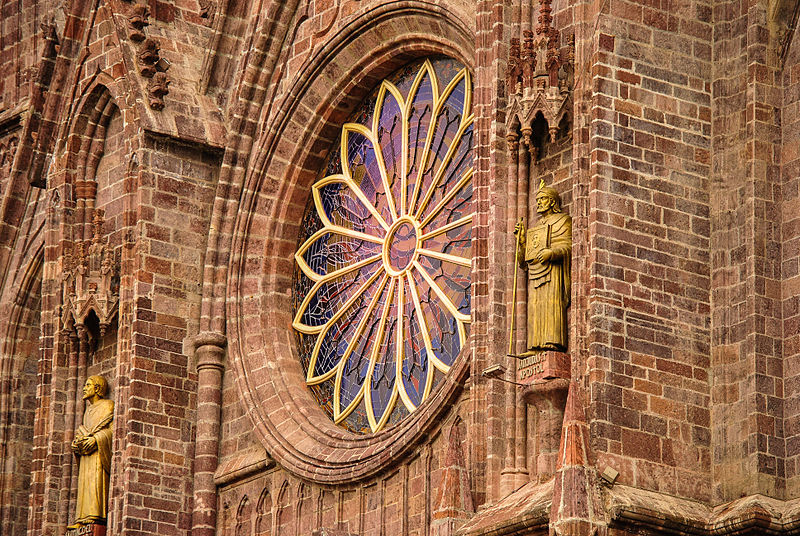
{"x": 209, "y": 354}
{"x": 73, "y": 344}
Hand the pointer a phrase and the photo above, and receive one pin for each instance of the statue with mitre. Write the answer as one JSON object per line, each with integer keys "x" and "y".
{"x": 92, "y": 447}
{"x": 546, "y": 249}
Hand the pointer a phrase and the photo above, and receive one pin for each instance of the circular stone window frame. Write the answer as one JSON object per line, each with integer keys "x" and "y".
{"x": 262, "y": 345}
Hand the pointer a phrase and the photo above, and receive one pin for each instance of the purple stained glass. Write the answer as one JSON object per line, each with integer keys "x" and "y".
{"x": 382, "y": 285}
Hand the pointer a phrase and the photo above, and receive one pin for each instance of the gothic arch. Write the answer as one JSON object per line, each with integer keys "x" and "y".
{"x": 264, "y": 514}
{"x": 305, "y": 513}
{"x": 86, "y": 145}
{"x": 18, "y": 385}
{"x": 244, "y": 514}
{"x": 284, "y": 513}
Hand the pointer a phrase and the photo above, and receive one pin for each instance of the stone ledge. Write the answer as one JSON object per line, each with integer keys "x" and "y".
{"x": 524, "y": 511}
{"x": 244, "y": 463}
{"x": 666, "y": 514}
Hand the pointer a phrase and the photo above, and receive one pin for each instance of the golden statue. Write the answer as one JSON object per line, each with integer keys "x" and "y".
{"x": 547, "y": 254}
{"x": 92, "y": 446}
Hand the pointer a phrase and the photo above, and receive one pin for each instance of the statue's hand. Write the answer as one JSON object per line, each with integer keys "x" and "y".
{"x": 89, "y": 444}
{"x": 544, "y": 256}
{"x": 519, "y": 232}
{"x": 76, "y": 445}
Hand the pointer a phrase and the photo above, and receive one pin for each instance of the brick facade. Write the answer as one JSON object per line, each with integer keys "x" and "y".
{"x": 185, "y": 136}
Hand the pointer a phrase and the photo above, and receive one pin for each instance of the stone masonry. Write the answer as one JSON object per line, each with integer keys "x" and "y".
{"x": 181, "y": 139}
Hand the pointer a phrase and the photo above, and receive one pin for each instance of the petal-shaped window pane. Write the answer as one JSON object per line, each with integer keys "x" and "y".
{"x": 345, "y": 207}
{"x": 382, "y": 285}
{"x": 333, "y": 251}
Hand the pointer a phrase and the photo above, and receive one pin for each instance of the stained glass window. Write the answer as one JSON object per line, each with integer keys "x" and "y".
{"x": 382, "y": 286}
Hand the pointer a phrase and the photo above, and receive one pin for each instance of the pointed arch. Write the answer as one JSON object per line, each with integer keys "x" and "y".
{"x": 86, "y": 145}
{"x": 264, "y": 514}
{"x": 244, "y": 517}
{"x": 284, "y": 516}
{"x": 19, "y": 357}
{"x": 305, "y": 510}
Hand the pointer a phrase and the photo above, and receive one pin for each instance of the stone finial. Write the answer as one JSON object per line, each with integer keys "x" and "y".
{"x": 207, "y": 8}
{"x": 514, "y": 72}
{"x": 88, "y": 280}
{"x": 528, "y": 60}
{"x": 547, "y": 76}
{"x": 575, "y": 509}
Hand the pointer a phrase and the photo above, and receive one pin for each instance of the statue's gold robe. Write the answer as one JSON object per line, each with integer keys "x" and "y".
{"x": 549, "y": 282}
{"x": 95, "y": 467}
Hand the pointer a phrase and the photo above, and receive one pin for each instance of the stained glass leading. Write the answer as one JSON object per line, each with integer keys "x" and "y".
{"x": 382, "y": 289}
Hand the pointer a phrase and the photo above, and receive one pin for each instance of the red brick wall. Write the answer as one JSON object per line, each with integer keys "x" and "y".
{"x": 790, "y": 265}
{"x": 747, "y": 369}
{"x": 21, "y": 44}
{"x": 156, "y": 406}
{"x": 649, "y": 232}
{"x": 681, "y": 174}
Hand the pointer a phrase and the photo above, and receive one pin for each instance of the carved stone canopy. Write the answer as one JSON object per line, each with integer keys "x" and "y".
{"x": 539, "y": 78}
{"x": 88, "y": 281}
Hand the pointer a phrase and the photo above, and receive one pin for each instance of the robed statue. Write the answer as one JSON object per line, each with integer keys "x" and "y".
{"x": 92, "y": 447}
{"x": 546, "y": 249}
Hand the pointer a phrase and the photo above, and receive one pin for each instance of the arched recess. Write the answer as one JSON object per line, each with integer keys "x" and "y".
{"x": 18, "y": 398}
{"x": 87, "y": 292}
{"x": 244, "y": 517}
{"x": 306, "y": 516}
{"x": 284, "y": 516}
{"x": 287, "y": 159}
{"x": 96, "y": 160}
{"x": 95, "y": 151}
{"x": 264, "y": 514}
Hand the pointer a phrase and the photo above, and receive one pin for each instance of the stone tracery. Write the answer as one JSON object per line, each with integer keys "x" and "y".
{"x": 388, "y": 250}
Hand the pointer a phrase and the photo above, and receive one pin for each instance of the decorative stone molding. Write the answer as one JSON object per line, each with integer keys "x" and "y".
{"x": 148, "y": 56}
{"x": 300, "y": 437}
{"x": 539, "y": 78}
{"x": 209, "y": 352}
{"x": 7, "y": 152}
{"x": 137, "y": 21}
{"x": 208, "y": 8}
{"x": 88, "y": 281}
{"x": 629, "y": 507}
{"x": 157, "y": 88}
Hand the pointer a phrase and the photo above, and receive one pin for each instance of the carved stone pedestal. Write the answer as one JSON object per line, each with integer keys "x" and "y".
{"x": 92, "y": 529}
{"x": 546, "y": 376}
{"x": 543, "y": 366}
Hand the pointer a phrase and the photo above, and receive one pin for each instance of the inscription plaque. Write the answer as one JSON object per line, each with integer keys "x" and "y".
{"x": 92, "y": 529}
{"x": 543, "y": 366}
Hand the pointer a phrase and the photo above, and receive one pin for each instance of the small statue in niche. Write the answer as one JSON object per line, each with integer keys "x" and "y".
{"x": 547, "y": 254}
{"x": 92, "y": 447}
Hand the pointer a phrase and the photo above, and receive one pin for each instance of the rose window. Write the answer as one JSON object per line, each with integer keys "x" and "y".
{"x": 382, "y": 290}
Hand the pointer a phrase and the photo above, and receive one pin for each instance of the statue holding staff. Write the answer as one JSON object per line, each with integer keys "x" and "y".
{"x": 546, "y": 249}
{"x": 92, "y": 447}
